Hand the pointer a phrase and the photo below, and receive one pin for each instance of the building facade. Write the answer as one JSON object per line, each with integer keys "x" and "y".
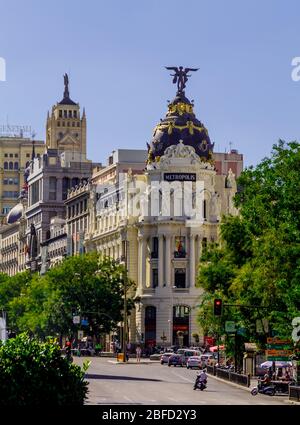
{"x": 77, "y": 217}
{"x": 158, "y": 221}
{"x": 54, "y": 248}
{"x": 15, "y": 155}
{"x": 63, "y": 166}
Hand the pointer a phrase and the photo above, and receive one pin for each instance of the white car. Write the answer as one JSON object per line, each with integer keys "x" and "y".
{"x": 165, "y": 358}
{"x": 194, "y": 362}
{"x": 206, "y": 357}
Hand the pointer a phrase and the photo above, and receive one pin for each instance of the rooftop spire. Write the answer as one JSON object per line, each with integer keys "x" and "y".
{"x": 66, "y": 83}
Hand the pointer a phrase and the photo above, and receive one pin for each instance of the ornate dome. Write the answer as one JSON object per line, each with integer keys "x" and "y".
{"x": 180, "y": 123}
{"x": 15, "y": 213}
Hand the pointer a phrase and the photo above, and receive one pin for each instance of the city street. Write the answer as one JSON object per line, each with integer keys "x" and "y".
{"x": 152, "y": 383}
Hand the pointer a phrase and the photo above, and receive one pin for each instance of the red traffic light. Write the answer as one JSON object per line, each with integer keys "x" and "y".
{"x": 218, "y": 307}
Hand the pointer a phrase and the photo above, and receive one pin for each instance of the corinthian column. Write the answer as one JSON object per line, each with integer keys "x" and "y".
{"x": 160, "y": 260}
{"x": 192, "y": 261}
{"x": 168, "y": 261}
{"x": 142, "y": 262}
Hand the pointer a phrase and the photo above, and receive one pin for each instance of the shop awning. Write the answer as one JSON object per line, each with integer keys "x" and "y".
{"x": 215, "y": 348}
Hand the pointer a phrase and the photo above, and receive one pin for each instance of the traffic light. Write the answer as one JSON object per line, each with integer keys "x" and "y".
{"x": 218, "y": 307}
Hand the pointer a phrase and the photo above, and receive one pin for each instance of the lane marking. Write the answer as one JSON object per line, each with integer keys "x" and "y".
{"x": 183, "y": 377}
{"x": 173, "y": 399}
{"x": 128, "y": 399}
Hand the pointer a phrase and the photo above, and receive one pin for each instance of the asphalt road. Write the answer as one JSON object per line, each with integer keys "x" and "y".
{"x": 153, "y": 383}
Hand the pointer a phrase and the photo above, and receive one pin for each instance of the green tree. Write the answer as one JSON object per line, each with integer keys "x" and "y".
{"x": 257, "y": 261}
{"x": 35, "y": 374}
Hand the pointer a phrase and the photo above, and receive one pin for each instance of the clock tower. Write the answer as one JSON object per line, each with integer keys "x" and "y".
{"x": 66, "y": 126}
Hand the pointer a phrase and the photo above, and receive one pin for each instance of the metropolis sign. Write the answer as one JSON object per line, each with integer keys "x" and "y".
{"x": 182, "y": 177}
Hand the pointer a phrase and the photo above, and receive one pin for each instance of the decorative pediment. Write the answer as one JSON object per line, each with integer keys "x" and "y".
{"x": 180, "y": 154}
{"x": 68, "y": 140}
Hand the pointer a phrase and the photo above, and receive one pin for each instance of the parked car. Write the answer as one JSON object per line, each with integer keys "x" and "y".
{"x": 206, "y": 358}
{"x": 176, "y": 360}
{"x": 165, "y": 357}
{"x": 194, "y": 362}
{"x": 186, "y": 353}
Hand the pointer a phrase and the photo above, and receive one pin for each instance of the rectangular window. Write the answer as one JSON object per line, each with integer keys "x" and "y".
{"x": 60, "y": 113}
{"x": 154, "y": 253}
{"x": 35, "y": 188}
{"x": 5, "y": 181}
{"x": 204, "y": 210}
{"x": 28, "y": 155}
{"x": 204, "y": 244}
{"x": 6, "y": 155}
{"x": 66, "y": 114}
{"x": 10, "y": 194}
{"x": 75, "y": 114}
{"x": 11, "y": 155}
{"x": 154, "y": 278}
{"x": 52, "y": 188}
{"x": 16, "y": 155}
{"x": 180, "y": 278}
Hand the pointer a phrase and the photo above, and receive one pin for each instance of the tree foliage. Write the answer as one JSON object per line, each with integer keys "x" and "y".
{"x": 87, "y": 285}
{"x": 257, "y": 262}
{"x": 35, "y": 374}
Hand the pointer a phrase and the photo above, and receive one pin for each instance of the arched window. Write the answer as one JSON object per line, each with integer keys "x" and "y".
{"x": 150, "y": 326}
{"x": 5, "y": 165}
{"x": 16, "y": 165}
{"x": 11, "y": 165}
{"x": 75, "y": 181}
{"x": 65, "y": 187}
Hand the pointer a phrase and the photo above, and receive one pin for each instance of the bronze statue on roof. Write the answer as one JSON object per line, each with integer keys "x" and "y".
{"x": 180, "y": 76}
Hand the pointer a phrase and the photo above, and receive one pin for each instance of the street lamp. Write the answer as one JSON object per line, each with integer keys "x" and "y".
{"x": 171, "y": 314}
{"x": 125, "y": 315}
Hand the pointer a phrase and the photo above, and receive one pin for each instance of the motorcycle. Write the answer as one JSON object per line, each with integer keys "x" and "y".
{"x": 201, "y": 385}
{"x": 264, "y": 389}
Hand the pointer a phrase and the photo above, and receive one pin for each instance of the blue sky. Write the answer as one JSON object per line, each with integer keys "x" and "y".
{"x": 115, "y": 52}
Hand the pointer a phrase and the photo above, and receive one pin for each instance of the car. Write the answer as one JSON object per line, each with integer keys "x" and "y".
{"x": 194, "y": 362}
{"x": 207, "y": 357}
{"x": 176, "y": 360}
{"x": 165, "y": 357}
{"x": 186, "y": 353}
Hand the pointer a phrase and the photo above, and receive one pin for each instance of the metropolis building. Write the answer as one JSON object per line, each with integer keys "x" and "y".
{"x": 157, "y": 222}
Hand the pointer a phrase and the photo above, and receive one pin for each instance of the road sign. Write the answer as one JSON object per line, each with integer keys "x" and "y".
{"x": 84, "y": 322}
{"x": 230, "y": 327}
{"x": 76, "y": 320}
{"x": 242, "y": 331}
{"x": 80, "y": 334}
{"x": 278, "y": 349}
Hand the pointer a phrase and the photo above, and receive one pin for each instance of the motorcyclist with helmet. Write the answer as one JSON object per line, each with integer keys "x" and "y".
{"x": 201, "y": 380}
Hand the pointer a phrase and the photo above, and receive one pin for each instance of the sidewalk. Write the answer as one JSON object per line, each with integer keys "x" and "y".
{"x": 253, "y": 383}
{"x": 133, "y": 361}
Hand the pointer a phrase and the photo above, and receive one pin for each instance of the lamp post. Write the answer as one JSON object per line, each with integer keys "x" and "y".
{"x": 171, "y": 314}
{"x": 125, "y": 315}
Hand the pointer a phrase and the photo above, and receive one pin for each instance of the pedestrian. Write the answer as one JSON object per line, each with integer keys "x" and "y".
{"x": 138, "y": 352}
